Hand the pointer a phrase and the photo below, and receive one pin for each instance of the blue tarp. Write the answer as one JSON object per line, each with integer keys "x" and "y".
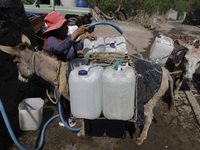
{"x": 32, "y": 15}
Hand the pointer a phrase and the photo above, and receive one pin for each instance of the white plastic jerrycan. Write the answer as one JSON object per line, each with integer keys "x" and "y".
{"x": 118, "y": 92}
{"x": 93, "y": 46}
{"x": 161, "y": 49}
{"x": 110, "y": 44}
{"x": 85, "y": 85}
{"x": 116, "y": 44}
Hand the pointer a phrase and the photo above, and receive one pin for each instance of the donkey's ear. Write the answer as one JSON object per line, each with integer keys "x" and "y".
{"x": 25, "y": 39}
{"x": 9, "y": 50}
{"x": 196, "y": 44}
{"x": 183, "y": 44}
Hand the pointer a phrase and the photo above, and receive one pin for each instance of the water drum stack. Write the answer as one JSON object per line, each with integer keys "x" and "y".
{"x": 94, "y": 90}
{"x": 107, "y": 89}
{"x": 111, "y": 44}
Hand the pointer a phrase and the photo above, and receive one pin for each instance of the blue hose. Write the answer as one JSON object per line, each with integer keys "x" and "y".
{"x": 13, "y": 135}
{"x": 61, "y": 3}
{"x": 105, "y": 22}
{"x": 43, "y": 130}
{"x": 61, "y": 117}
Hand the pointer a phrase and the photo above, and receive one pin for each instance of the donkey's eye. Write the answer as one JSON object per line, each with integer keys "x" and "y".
{"x": 22, "y": 47}
{"x": 186, "y": 61}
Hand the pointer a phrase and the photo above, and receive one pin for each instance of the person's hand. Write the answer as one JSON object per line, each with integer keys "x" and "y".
{"x": 82, "y": 29}
{"x": 91, "y": 37}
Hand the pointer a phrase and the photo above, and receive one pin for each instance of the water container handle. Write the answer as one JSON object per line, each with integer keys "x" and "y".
{"x": 105, "y": 22}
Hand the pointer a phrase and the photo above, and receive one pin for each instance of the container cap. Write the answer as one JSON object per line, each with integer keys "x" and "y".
{"x": 82, "y": 72}
{"x": 112, "y": 45}
{"x": 159, "y": 36}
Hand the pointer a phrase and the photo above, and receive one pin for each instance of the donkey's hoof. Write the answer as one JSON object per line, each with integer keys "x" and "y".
{"x": 177, "y": 97}
{"x": 139, "y": 141}
{"x": 80, "y": 133}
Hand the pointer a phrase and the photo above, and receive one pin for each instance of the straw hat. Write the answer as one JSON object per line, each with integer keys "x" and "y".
{"x": 54, "y": 20}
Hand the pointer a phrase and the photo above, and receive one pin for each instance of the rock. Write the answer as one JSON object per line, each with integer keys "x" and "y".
{"x": 184, "y": 110}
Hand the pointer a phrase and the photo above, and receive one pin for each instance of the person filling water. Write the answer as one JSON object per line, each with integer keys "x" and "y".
{"x": 65, "y": 47}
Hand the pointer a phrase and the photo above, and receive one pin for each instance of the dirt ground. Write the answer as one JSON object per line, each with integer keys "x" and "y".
{"x": 176, "y": 130}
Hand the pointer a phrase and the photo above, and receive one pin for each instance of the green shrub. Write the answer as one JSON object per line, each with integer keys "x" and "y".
{"x": 132, "y": 7}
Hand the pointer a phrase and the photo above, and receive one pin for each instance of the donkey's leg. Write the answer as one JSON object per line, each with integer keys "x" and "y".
{"x": 176, "y": 96}
{"x": 82, "y": 132}
{"x": 148, "y": 114}
{"x": 149, "y": 106}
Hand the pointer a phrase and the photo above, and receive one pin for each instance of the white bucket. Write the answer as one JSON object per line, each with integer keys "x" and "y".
{"x": 30, "y": 113}
{"x": 86, "y": 92}
{"x": 69, "y": 3}
{"x": 118, "y": 92}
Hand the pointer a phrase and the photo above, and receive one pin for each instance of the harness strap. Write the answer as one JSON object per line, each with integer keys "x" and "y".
{"x": 33, "y": 62}
{"x": 56, "y": 90}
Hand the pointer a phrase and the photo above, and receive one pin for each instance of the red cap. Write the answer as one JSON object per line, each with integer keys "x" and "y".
{"x": 54, "y": 20}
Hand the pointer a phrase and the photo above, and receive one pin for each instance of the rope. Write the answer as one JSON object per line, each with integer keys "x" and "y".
{"x": 176, "y": 72}
{"x": 56, "y": 90}
{"x": 134, "y": 47}
{"x": 82, "y": 36}
{"x": 109, "y": 57}
{"x": 54, "y": 102}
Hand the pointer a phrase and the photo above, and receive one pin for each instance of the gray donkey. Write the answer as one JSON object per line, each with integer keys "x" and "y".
{"x": 54, "y": 71}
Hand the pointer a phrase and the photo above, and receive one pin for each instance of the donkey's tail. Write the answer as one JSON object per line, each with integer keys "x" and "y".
{"x": 170, "y": 80}
{"x": 168, "y": 97}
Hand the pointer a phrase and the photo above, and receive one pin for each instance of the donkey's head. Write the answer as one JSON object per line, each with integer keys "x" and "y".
{"x": 192, "y": 58}
{"x": 24, "y": 56}
{"x": 81, "y": 20}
